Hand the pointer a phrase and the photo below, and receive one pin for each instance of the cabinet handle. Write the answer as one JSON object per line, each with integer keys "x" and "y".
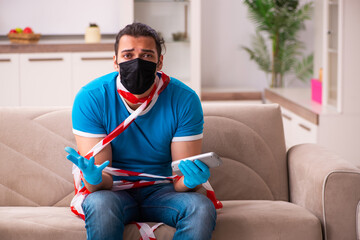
{"x": 5, "y": 60}
{"x": 287, "y": 117}
{"x": 305, "y": 127}
{"x": 96, "y": 58}
{"x": 44, "y": 59}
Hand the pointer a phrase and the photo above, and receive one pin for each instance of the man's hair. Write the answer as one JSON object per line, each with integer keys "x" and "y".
{"x": 140, "y": 30}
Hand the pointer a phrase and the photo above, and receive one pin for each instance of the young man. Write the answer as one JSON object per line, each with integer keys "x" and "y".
{"x": 168, "y": 129}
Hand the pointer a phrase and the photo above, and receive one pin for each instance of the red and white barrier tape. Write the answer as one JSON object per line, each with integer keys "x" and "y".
{"x": 147, "y": 232}
{"x": 81, "y": 192}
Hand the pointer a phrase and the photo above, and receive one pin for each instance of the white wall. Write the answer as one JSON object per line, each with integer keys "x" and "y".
{"x": 225, "y": 28}
{"x": 62, "y": 16}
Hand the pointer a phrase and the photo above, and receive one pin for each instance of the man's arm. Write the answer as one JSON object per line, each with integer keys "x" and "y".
{"x": 180, "y": 150}
{"x": 84, "y": 145}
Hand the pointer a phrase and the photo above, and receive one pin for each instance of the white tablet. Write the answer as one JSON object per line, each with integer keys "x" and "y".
{"x": 211, "y": 159}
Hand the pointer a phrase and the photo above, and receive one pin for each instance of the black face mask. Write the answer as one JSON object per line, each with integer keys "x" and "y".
{"x": 137, "y": 75}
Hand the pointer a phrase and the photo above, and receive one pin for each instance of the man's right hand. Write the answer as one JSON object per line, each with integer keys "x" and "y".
{"x": 91, "y": 172}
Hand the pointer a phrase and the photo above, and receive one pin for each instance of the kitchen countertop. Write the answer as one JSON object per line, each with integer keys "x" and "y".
{"x": 61, "y": 43}
{"x": 298, "y": 100}
{"x": 64, "y": 43}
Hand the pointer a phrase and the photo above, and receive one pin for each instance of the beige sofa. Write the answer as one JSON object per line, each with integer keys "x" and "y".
{"x": 307, "y": 193}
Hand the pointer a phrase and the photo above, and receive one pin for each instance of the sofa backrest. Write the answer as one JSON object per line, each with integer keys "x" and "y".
{"x": 250, "y": 141}
{"x": 34, "y": 170}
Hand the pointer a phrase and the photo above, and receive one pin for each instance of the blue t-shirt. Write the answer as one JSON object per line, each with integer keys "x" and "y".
{"x": 145, "y": 145}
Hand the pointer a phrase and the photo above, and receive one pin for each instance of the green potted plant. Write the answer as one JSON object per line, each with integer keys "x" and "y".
{"x": 280, "y": 21}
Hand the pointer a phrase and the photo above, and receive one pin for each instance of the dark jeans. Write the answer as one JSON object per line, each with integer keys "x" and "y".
{"x": 106, "y": 212}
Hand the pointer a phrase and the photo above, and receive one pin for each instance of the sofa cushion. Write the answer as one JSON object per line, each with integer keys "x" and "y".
{"x": 40, "y": 223}
{"x": 35, "y": 223}
{"x": 250, "y": 220}
{"x": 254, "y": 220}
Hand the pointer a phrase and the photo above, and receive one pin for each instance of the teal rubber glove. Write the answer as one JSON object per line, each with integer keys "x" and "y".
{"x": 91, "y": 172}
{"x": 195, "y": 173}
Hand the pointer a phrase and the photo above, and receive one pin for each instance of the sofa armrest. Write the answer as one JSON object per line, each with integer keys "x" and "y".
{"x": 326, "y": 185}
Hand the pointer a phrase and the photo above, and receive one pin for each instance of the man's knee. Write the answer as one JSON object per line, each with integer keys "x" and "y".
{"x": 102, "y": 203}
{"x": 202, "y": 207}
{"x": 98, "y": 200}
{"x": 199, "y": 218}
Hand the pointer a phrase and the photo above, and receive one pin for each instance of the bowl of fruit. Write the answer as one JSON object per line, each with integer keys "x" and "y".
{"x": 26, "y": 35}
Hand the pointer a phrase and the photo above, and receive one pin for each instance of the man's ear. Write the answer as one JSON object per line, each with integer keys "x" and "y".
{"x": 116, "y": 65}
{"x": 160, "y": 63}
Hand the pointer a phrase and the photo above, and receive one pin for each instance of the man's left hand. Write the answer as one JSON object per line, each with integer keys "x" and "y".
{"x": 195, "y": 173}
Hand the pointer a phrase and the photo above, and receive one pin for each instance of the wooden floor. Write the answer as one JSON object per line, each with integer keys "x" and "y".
{"x": 231, "y": 96}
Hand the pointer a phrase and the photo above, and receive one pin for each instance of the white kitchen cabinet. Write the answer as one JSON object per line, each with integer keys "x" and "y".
{"x": 288, "y": 127}
{"x": 297, "y": 130}
{"x": 45, "y": 79}
{"x": 9, "y": 80}
{"x": 86, "y": 66}
{"x": 306, "y": 121}
{"x": 303, "y": 131}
